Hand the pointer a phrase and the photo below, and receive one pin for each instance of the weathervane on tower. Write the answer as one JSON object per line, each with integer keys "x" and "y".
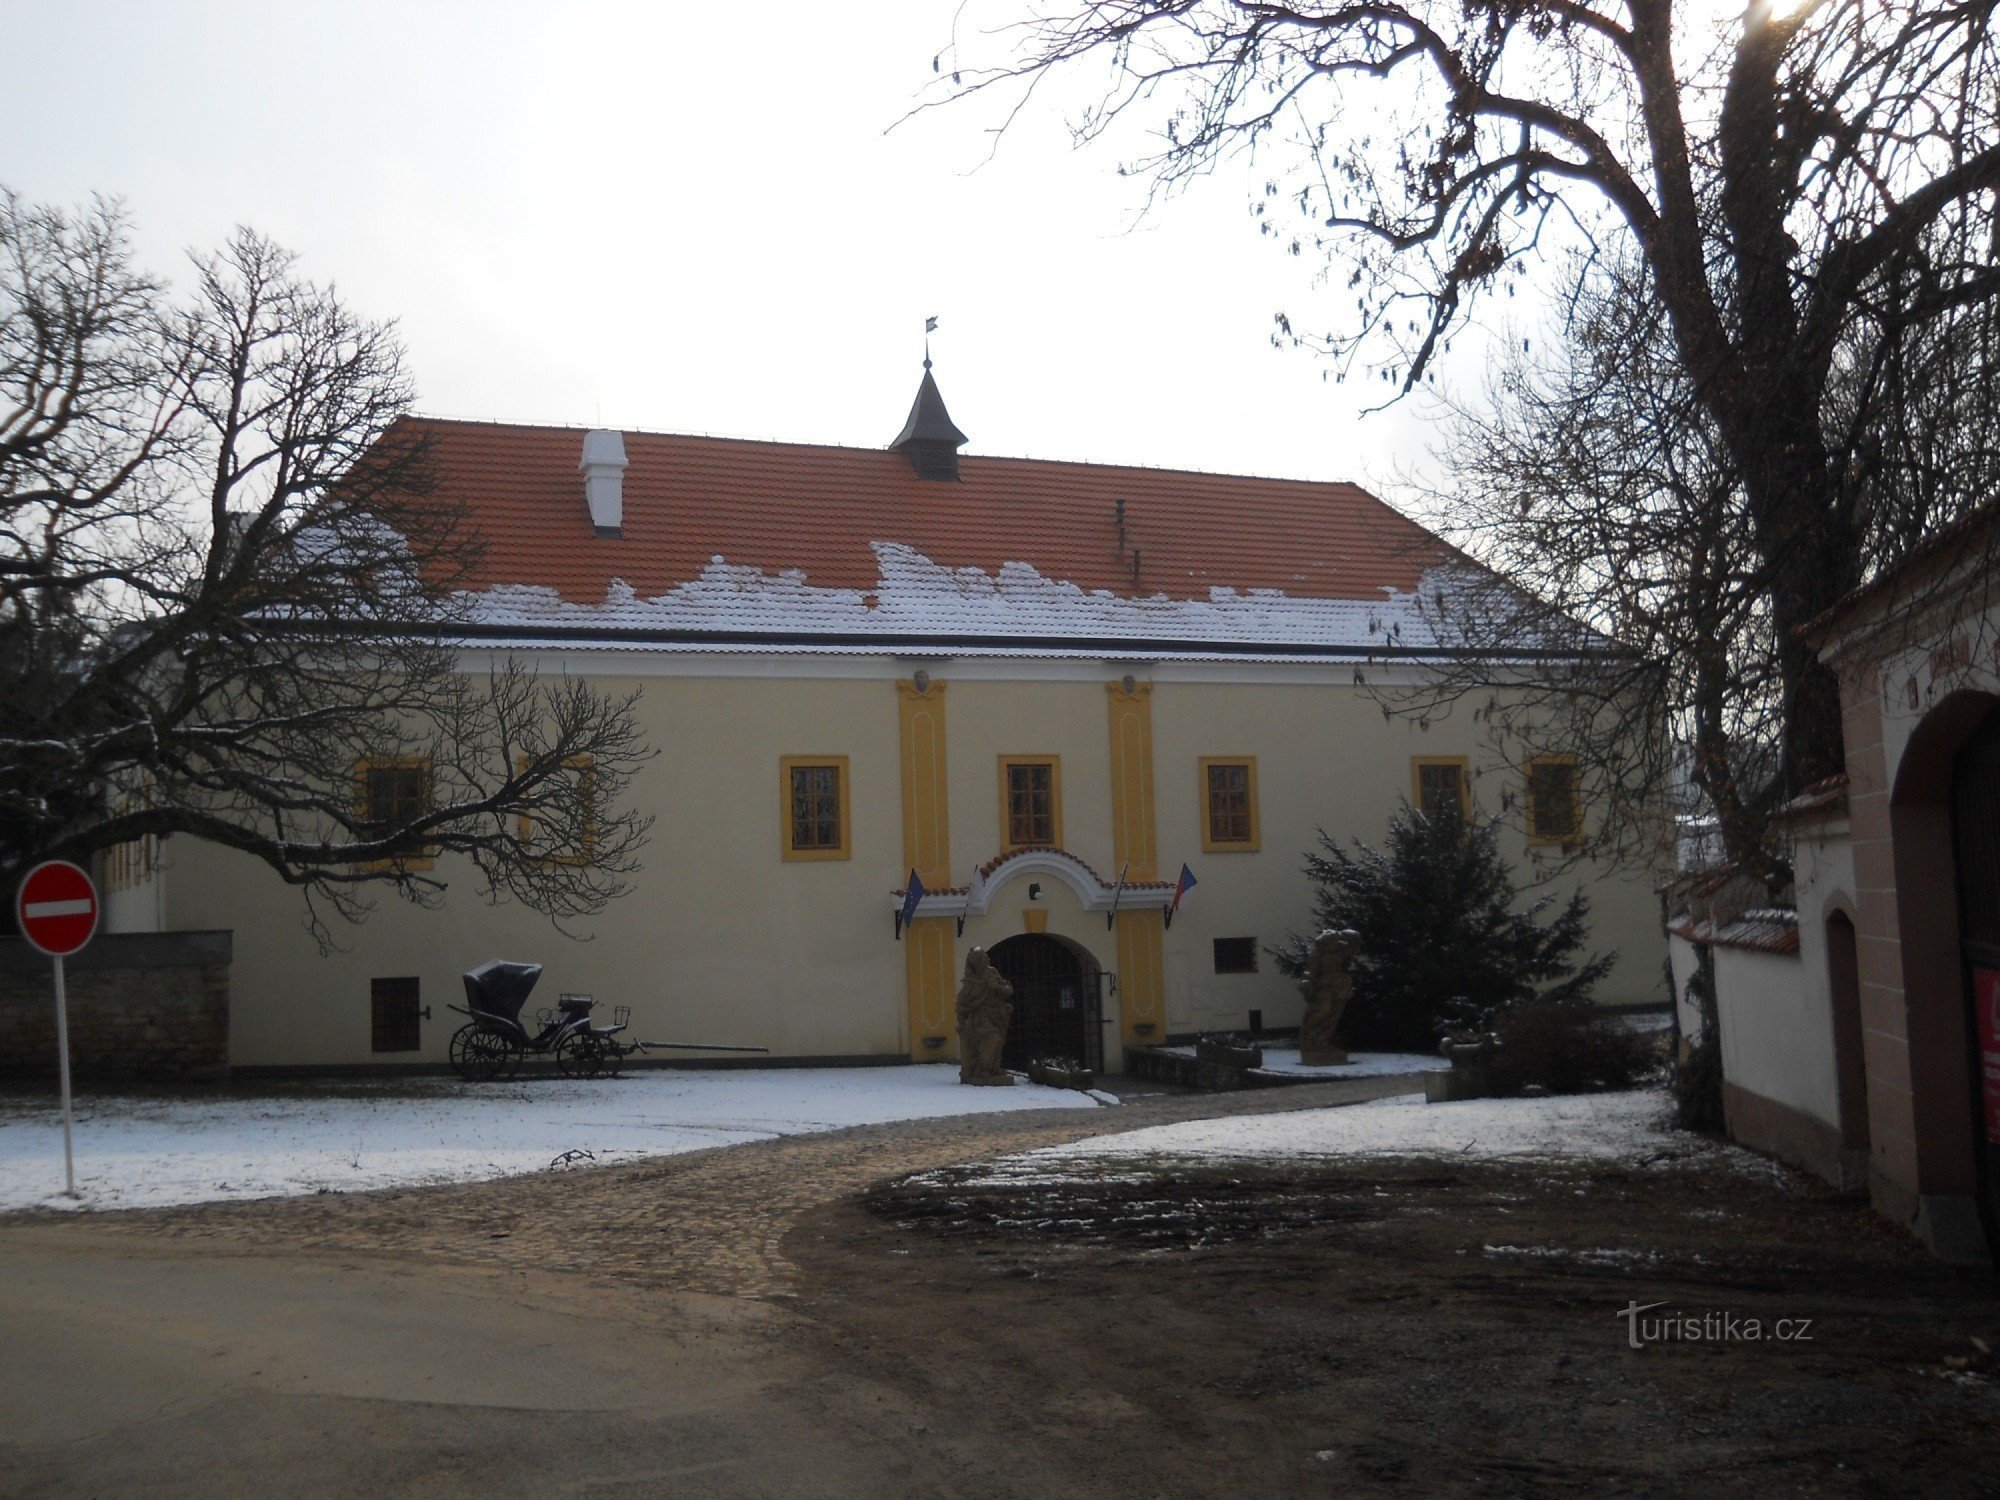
{"x": 930, "y": 327}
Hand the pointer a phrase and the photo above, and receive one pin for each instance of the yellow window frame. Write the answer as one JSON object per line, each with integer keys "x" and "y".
{"x": 786, "y": 765}
{"x": 364, "y": 808}
{"x": 1464, "y": 764}
{"x": 1054, "y": 763}
{"x": 1209, "y": 843}
{"x": 1575, "y": 830}
{"x": 525, "y": 821}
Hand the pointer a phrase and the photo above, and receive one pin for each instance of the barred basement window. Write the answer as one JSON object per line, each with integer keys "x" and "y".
{"x": 394, "y": 1022}
{"x": 1236, "y": 955}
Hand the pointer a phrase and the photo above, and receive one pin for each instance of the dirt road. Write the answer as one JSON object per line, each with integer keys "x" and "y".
{"x": 798, "y": 1318}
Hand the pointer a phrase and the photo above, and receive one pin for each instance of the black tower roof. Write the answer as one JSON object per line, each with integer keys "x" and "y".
{"x": 930, "y": 437}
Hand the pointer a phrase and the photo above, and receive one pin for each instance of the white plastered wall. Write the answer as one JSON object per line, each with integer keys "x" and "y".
{"x": 722, "y": 940}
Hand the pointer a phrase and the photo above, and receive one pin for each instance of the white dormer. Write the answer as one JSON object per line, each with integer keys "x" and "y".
{"x": 604, "y": 466}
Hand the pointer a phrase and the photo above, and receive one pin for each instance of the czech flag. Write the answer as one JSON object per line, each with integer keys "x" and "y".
{"x": 1187, "y": 884}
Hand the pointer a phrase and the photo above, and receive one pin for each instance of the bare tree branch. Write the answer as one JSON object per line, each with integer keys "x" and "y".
{"x": 227, "y": 583}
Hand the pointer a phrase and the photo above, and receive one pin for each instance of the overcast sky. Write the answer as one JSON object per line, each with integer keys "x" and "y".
{"x": 695, "y": 219}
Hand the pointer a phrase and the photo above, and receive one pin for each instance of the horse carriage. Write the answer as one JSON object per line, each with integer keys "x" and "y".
{"x": 494, "y": 1043}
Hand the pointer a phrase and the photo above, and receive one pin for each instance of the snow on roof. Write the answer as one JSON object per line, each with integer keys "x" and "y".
{"x": 729, "y": 539}
{"x": 1771, "y": 929}
{"x": 914, "y": 596}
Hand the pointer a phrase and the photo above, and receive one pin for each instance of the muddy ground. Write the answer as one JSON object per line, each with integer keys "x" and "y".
{"x": 1430, "y": 1329}
{"x": 856, "y": 1314}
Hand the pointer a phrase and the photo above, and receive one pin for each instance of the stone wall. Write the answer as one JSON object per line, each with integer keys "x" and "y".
{"x": 151, "y": 1006}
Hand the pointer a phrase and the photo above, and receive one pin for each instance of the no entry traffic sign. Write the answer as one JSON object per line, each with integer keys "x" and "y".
{"x": 57, "y": 908}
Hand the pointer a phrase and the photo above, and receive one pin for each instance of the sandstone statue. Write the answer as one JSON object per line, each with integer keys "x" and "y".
{"x": 984, "y": 1009}
{"x": 1327, "y": 988}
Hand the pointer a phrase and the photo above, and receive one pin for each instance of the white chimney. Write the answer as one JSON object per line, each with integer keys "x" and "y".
{"x": 604, "y": 466}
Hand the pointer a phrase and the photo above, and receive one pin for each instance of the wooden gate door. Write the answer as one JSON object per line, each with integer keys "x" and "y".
{"x": 1975, "y": 806}
{"x": 1055, "y": 1002}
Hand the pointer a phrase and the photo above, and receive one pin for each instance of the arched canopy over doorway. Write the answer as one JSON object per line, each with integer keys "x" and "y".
{"x": 1058, "y": 1000}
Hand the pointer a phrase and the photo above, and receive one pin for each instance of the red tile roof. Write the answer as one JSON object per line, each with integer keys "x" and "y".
{"x": 789, "y": 506}
{"x": 1824, "y": 798}
{"x": 1766, "y": 930}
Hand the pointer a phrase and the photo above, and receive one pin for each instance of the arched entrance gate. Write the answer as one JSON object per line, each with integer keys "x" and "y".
{"x": 1058, "y": 1000}
{"x": 1975, "y": 808}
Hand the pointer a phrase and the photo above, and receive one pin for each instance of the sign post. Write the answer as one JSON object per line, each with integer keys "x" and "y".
{"x": 56, "y": 910}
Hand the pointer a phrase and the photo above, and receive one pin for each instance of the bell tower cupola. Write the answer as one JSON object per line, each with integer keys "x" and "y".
{"x": 929, "y": 438}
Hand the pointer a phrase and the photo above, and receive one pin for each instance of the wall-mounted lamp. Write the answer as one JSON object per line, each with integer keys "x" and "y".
{"x": 1034, "y": 890}
{"x": 1129, "y": 683}
{"x": 923, "y": 682}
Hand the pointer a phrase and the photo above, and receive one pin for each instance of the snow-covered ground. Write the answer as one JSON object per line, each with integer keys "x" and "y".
{"x": 1629, "y": 1127}
{"x": 134, "y": 1152}
{"x": 1285, "y": 1060}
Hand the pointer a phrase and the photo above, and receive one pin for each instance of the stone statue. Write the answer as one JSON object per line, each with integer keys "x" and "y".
{"x": 1327, "y": 988}
{"x": 984, "y": 1009}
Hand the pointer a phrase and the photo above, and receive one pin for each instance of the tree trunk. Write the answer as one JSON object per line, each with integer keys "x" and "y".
{"x": 1812, "y": 558}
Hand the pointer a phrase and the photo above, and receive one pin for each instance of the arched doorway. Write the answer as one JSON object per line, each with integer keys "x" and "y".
{"x": 1927, "y": 1137}
{"x": 1056, "y": 1000}
{"x": 1975, "y": 817}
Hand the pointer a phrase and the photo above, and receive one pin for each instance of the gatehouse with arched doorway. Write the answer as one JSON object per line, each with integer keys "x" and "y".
{"x": 1911, "y": 937}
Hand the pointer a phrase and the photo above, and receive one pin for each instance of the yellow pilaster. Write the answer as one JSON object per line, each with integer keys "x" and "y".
{"x": 1142, "y": 992}
{"x": 1142, "y": 987}
{"x": 1132, "y": 780}
{"x": 930, "y": 962}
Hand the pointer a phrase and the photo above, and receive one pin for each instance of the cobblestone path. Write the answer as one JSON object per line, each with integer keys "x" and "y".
{"x": 704, "y": 1221}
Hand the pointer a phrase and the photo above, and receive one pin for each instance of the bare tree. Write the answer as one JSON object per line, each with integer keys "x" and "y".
{"x": 1592, "y": 481}
{"x": 1808, "y": 193}
{"x": 1593, "y": 478}
{"x": 228, "y": 592}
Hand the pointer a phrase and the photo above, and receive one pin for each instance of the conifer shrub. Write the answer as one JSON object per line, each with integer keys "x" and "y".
{"x": 1444, "y": 948}
{"x": 1565, "y": 1046}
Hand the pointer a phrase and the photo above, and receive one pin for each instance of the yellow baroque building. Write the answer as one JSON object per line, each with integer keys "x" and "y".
{"x": 1044, "y": 688}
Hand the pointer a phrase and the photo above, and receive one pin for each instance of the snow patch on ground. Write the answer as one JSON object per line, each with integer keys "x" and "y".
{"x": 1628, "y": 1127}
{"x": 134, "y": 1152}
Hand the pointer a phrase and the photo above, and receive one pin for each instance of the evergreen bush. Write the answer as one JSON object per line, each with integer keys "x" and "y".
{"x": 1443, "y": 948}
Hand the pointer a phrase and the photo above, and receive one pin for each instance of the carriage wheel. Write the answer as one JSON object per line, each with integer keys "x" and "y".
{"x": 579, "y": 1055}
{"x": 479, "y": 1054}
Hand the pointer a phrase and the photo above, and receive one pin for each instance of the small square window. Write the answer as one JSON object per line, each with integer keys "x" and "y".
{"x": 394, "y": 1024}
{"x": 815, "y": 806}
{"x": 1229, "y": 804}
{"x": 1031, "y": 802}
{"x": 1237, "y": 955}
{"x": 1554, "y": 812}
{"x": 1440, "y": 781}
